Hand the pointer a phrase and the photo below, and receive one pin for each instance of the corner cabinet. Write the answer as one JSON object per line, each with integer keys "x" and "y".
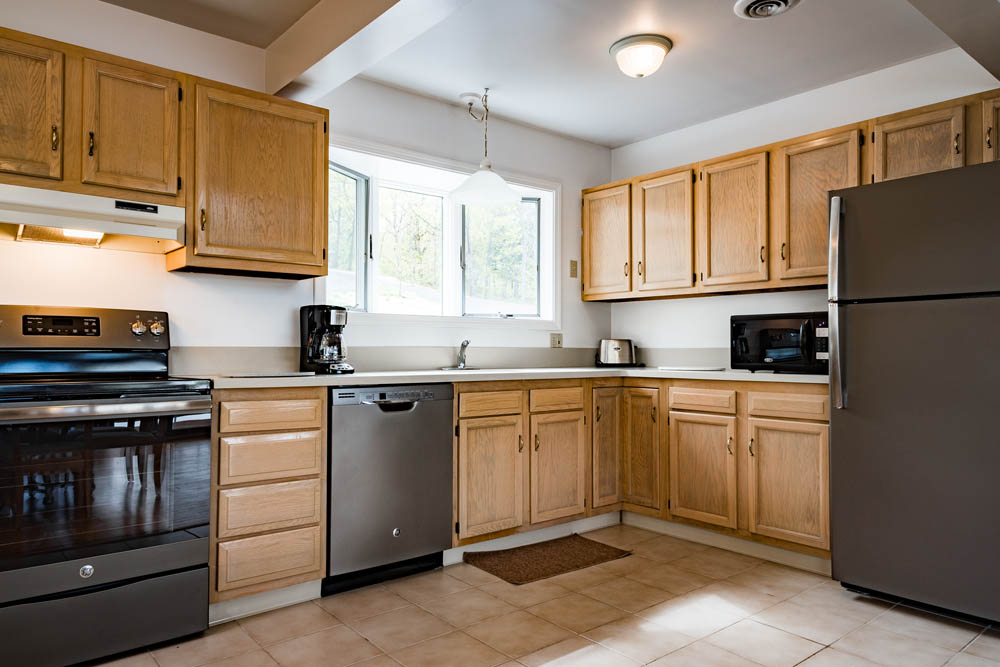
{"x": 31, "y": 112}
{"x": 260, "y": 186}
{"x": 641, "y": 453}
{"x": 607, "y": 259}
{"x": 608, "y": 436}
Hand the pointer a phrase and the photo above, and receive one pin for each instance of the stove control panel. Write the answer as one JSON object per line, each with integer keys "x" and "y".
{"x": 58, "y": 325}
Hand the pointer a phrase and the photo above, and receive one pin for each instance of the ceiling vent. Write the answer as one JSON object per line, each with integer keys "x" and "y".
{"x": 762, "y": 9}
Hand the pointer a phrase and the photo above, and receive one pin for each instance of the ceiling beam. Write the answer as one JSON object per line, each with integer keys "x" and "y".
{"x": 972, "y": 24}
{"x": 338, "y": 39}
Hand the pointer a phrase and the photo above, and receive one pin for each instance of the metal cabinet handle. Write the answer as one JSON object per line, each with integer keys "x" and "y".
{"x": 762, "y": 254}
{"x": 626, "y": 268}
{"x": 729, "y": 445}
{"x": 653, "y": 411}
{"x": 536, "y": 442}
{"x": 55, "y": 138}
{"x": 751, "y": 447}
{"x": 204, "y": 219}
{"x": 91, "y": 151}
{"x": 957, "y": 149}
{"x": 989, "y": 137}
{"x": 598, "y": 417}
{"x": 783, "y": 251}
{"x": 640, "y": 268}
{"x": 520, "y": 443}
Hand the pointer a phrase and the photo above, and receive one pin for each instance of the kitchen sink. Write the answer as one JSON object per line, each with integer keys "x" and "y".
{"x": 456, "y": 368}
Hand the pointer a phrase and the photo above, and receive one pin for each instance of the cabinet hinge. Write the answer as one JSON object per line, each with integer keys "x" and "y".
{"x": 694, "y": 177}
{"x": 701, "y": 176}
{"x": 456, "y": 528}
{"x": 180, "y": 94}
{"x": 668, "y": 420}
{"x": 873, "y": 137}
{"x": 668, "y": 503}
{"x": 873, "y": 178}
{"x": 585, "y": 420}
{"x": 861, "y": 140}
{"x": 178, "y": 182}
{"x": 456, "y": 430}
{"x": 694, "y": 277}
{"x": 324, "y": 127}
{"x": 324, "y": 253}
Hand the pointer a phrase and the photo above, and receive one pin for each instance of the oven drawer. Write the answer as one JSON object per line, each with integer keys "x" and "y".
{"x": 796, "y": 406}
{"x": 256, "y": 458}
{"x": 278, "y": 415}
{"x": 703, "y": 400}
{"x": 489, "y": 403}
{"x": 563, "y": 398}
{"x": 255, "y": 509}
{"x": 254, "y": 560}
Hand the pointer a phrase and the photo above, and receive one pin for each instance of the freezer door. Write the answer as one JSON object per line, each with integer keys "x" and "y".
{"x": 915, "y": 453}
{"x": 926, "y": 235}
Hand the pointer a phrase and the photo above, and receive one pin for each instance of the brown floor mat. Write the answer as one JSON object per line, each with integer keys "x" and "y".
{"x": 522, "y": 565}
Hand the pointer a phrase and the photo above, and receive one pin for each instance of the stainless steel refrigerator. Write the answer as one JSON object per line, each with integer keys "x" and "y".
{"x": 915, "y": 385}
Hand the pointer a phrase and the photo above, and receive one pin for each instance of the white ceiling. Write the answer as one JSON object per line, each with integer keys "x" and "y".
{"x": 254, "y": 22}
{"x": 547, "y": 63}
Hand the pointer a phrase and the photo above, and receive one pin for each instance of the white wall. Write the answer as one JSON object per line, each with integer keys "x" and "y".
{"x": 365, "y": 110}
{"x": 122, "y": 32}
{"x": 704, "y": 321}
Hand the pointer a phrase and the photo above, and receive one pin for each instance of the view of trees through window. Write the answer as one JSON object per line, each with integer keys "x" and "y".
{"x": 408, "y": 269}
{"x": 341, "y": 282}
{"x": 501, "y": 259}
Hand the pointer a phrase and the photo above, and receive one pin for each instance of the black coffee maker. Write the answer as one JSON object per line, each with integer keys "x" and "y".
{"x": 321, "y": 333}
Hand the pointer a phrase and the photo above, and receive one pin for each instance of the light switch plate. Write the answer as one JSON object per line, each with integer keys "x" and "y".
{"x": 572, "y": 268}
{"x": 555, "y": 340}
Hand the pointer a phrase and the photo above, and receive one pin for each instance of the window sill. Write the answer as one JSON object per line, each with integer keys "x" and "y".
{"x": 451, "y": 321}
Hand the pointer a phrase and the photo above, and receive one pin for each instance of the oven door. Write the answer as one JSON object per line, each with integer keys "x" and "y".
{"x": 97, "y": 492}
{"x": 781, "y": 343}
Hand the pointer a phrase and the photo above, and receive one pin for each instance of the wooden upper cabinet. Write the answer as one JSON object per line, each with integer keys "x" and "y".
{"x": 663, "y": 243}
{"x": 733, "y": 216}
{"x": 641, "y": 455}
{"x": 558, "y": 465}
{"x": 991, "y": 129}
{"x": 805, "y": 173}
{"x": 129, "y": 134}
{"x": 490, "y": 475}
{"x": 260, "y": 172}
{"x": 920, "y": 143}
{"x": 608, "y": 436}
{"x": 703, "y": 467}
{"x": 31, "y": 109}
{"x": 606, "y": 250}
{"x": 790, "y": 481}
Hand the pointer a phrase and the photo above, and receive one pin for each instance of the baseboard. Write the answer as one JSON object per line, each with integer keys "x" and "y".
{"x": 730, "y": 543}
{"x": 230, "y": 610}
{"x": 453, "y": 556}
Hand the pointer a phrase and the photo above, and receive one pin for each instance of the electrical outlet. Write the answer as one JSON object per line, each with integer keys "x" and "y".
{"x": 555, "y": 340}
{"x": 572, "y": 268}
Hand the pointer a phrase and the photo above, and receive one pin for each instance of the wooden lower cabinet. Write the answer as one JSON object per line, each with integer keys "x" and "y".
{"x": 490, "y": 474}
{"x": 257, "y": 560}
{"x": 703, "y": 467}
{"x": 641, "y": 455}
{"x": 607, "y": 440}
{"x": 265, "y": 507}
{"x": 790, "y": 480}
{"x": 558, "y": 465}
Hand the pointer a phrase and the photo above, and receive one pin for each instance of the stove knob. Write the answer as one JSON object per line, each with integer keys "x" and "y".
{"x": 156, "y": 327}
{"x": 138, "y": 327}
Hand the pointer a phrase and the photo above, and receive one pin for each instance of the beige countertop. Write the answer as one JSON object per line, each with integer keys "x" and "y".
{"x": 495, "y": 374}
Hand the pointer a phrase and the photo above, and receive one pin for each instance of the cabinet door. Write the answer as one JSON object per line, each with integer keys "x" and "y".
{"x": 703, "y": 467}
{"x": 130, "y": 120}
{"x": 261, "y": 179}
{"x": 558, "y": 465}
{"x": 31, "y": 109}
{"x": 991, "y": 129}
{"x": 790, "y": 481}
{"x": 664, "y": 232}
{"x": 490, "y": 475}
{"x": 606, "y": 256}
{"x": 608, "y": 436}
{"x": 920, "y": 143}
{"x": 642, "y": 447}
{"x": 806, "y": 171}
{"x": 733, "y": 233}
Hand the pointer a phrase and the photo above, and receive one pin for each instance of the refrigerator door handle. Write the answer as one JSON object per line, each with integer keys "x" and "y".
{"x": 838, "y": 381}
{"x": 833, "y": 265}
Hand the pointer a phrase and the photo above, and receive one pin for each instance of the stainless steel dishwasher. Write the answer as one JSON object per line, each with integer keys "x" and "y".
{"x": 390, "y": 509}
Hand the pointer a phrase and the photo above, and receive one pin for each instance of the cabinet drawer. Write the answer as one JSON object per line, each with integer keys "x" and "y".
{"x": 705, "y": 400}
{"x": 256, "y": 458}
{"x": 255, "y": 509}
{"x": 796, "y": 406}
{"x": 563, "y": 398}
{"x": 270, "y": 415}
{"x": 489, "y": 403}
{"x": 252, "y": 560}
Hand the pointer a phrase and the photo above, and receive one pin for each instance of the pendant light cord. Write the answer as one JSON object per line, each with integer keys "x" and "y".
{"x": 485, "y": 120}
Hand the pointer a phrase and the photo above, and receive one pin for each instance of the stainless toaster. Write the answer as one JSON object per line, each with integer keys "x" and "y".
{"x": 616, "y": 352}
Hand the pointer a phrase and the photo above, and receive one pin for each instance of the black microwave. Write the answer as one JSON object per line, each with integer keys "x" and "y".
{"x": 784, "y": 343}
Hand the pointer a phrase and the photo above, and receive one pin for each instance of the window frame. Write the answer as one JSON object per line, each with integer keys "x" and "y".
{"x": 361, "y": 240}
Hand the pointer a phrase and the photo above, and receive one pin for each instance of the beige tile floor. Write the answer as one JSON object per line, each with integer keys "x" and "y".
{"x": 671, "y": 604}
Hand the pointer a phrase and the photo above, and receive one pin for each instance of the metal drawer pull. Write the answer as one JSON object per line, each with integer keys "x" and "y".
{"x": 91, "y": 151}
{"x": 751, "y": 447}
{"x": 55, "y": 138}
{"x": 654, "y": 414}
{"x": 536, "y": 442}
{"x": 783, "y": 251}
{"x": 989, "y": 138}
{"x": 520, "y": 444}
{"x": 640, "y": 268}
{"x": 762, "y": 254}
{"x": 626, "y": 268}
{"x": 729, "y": 445}
{"x": 957, "y": 149}
{"x": 598, "y": 418}
{"x": 204, "y": 219}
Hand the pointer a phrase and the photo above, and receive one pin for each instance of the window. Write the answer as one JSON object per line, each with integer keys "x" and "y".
{"x": 399, "y": 245}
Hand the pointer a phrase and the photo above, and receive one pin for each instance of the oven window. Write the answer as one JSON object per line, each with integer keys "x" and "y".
{"x": 75, "y": 489}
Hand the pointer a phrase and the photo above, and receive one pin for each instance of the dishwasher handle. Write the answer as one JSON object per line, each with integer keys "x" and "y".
{"x": 393, "y": 406}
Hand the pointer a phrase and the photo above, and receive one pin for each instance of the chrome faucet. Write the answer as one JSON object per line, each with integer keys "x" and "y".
{"x": 461, "y": 353}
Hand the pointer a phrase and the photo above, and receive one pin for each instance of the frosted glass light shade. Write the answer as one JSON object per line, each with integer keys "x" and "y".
{"x": 639, "y": 56}
{"x": 485, "y": 187}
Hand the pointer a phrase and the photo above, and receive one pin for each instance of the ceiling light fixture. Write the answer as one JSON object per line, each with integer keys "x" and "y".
{"x": 485, "y": 186}
{"x": 638, "y": 56}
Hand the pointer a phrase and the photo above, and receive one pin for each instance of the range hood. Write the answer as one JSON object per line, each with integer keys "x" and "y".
{"x": 51, "y": 216}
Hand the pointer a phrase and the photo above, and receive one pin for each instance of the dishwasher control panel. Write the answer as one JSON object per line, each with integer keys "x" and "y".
{"x": 397, "y": 394}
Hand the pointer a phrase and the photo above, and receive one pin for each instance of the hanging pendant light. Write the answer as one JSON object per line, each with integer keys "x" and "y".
{"x": 485, "y": 186}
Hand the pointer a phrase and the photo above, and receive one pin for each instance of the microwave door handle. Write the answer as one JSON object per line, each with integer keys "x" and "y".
{"x": 833, "y": 257}
{"x": 838, "y": 379}
{"x": 804, "y": 338}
